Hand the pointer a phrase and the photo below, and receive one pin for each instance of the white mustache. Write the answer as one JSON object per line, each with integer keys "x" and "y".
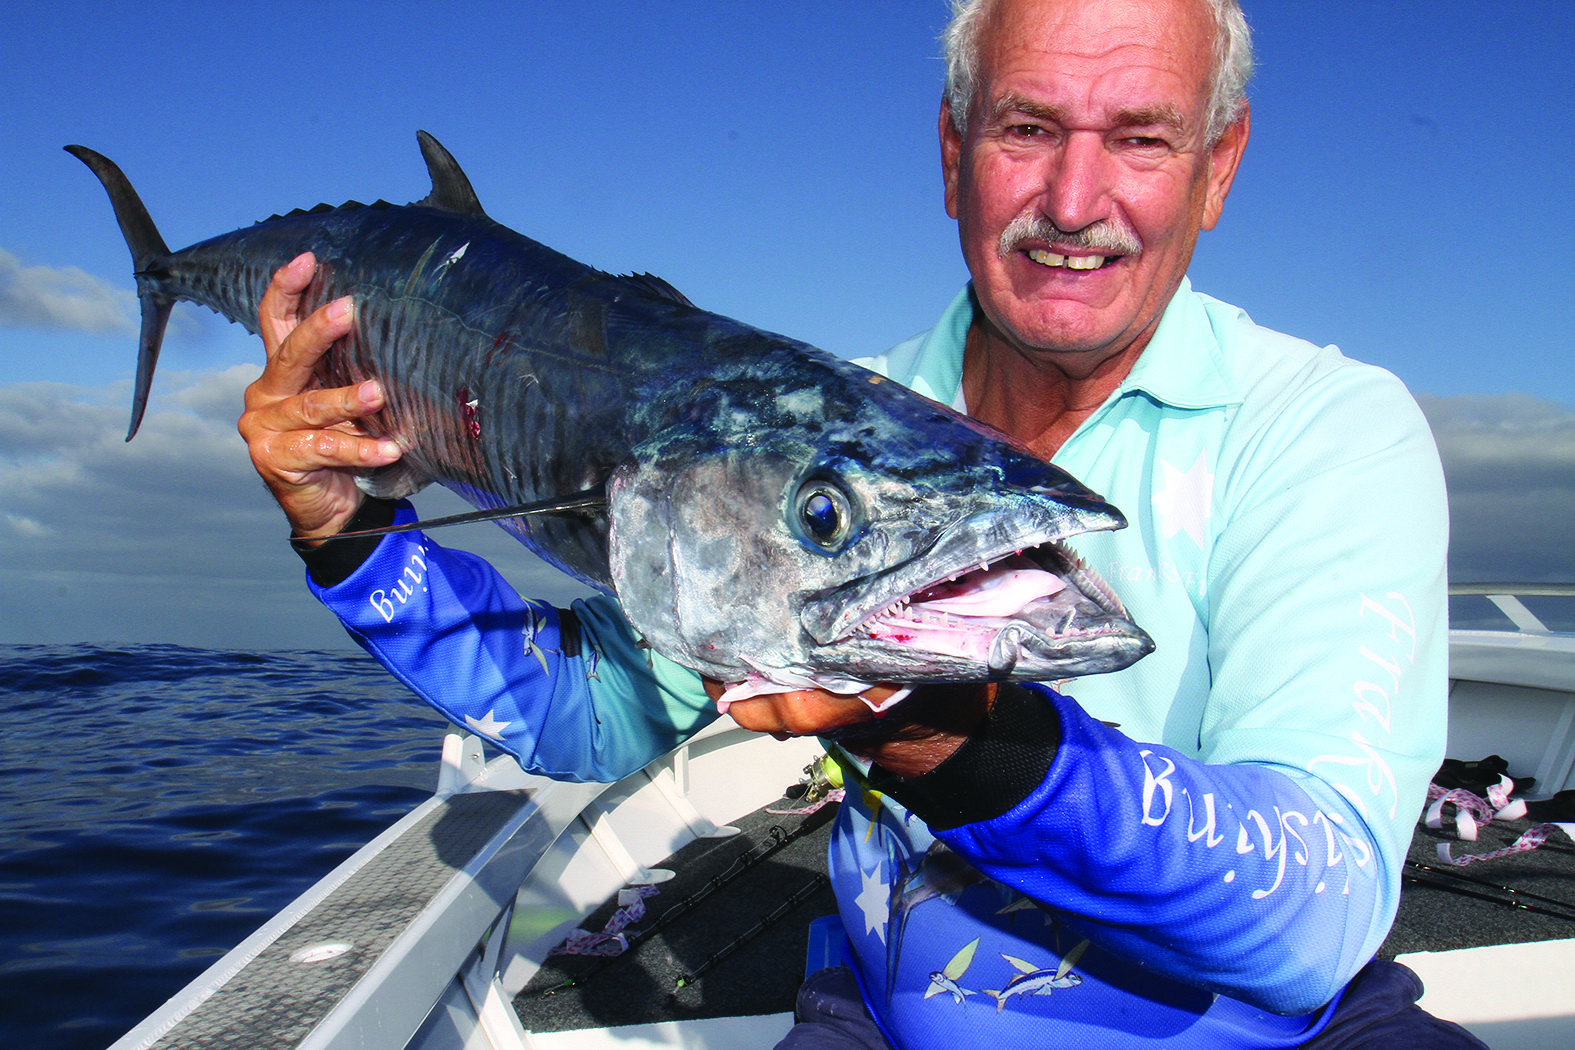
{"x": 1105, "y": 235}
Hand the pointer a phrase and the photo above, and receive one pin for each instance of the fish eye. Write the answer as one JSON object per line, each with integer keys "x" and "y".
{"x": 825, "y": 514}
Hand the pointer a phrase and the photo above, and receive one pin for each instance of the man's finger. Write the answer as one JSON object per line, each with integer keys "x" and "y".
{"x": 313, "y": 409}
{"x": 291, "y": 365}
{"x": 280, "y": 309}
{"x": 300, "y": 452}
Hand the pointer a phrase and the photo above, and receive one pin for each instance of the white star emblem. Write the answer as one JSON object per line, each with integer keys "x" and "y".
{"x": 488, "y": 725}
{"x": 873, "y": 902}
{"x": 1185, "y": 504}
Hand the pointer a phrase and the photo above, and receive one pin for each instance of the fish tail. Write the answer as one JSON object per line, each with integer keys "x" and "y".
{"x": 148, "y": 252}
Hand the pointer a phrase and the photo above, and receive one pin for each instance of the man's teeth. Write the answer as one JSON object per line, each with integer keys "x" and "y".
{"x": 1071, "y": 262}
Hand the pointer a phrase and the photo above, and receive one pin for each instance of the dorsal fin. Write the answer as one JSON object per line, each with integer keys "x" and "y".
{"x": 318, "y": 209}
{"x": 450, "y": 188}
{"x": 652, "y": 285}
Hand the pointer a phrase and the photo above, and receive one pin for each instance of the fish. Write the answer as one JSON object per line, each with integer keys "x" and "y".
{"x": 766, "y": 513}
{"x": 1035, "y": 980}
{"x": 945, "y": 979}
{"x": 941, "y": 874}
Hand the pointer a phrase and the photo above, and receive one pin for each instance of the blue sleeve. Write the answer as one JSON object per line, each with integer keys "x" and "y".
{"x": 1227, "y": 877}
{"x": 566, "y": 692}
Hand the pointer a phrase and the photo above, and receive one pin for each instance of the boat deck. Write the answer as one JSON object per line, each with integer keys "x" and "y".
{"x": 1511, "y": 900}
{"x": 728, "y": 934}
{"x": 719, "y": 953}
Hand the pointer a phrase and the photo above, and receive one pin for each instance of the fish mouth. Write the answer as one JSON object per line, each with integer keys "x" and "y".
{"x": 1017, "y": 611}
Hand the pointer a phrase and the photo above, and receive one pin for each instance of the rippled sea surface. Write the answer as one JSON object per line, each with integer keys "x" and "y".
{"x": 159, "y": 803}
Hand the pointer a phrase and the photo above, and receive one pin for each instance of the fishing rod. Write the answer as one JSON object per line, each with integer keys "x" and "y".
{"x": 820, "y": 881}
{"x": 775, "y": 839}
{"x": 579, "y": 502}
{"x": 1420, "y": 874}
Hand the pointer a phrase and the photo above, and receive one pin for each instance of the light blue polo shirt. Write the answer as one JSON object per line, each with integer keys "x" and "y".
{"x": 1285, "y": 549}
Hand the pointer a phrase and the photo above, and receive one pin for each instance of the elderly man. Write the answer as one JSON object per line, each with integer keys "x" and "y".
{"x": 1201, "y": 850}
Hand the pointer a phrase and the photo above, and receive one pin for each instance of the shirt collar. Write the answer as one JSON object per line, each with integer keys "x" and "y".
{"x": 1185, "y": 364}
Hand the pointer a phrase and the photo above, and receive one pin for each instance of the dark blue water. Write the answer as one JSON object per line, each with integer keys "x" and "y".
{"x": 158, "y": 803}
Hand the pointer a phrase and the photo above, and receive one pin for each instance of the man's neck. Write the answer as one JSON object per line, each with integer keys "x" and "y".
{"x": 1033, "y": 398}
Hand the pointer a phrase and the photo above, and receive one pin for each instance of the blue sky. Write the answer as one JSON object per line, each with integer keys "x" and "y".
{"x": 1408, "y": 194}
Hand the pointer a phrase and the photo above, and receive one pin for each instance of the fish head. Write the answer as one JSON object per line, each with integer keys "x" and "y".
{"x": 855, "y": 546}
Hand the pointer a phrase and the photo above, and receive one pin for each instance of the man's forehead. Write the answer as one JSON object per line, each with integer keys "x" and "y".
{"x": 1135, "y": 62}
{"x": 1177, "y": 33}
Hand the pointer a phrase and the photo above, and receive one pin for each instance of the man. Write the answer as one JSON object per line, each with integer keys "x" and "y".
{"x": 1213, "y": 870}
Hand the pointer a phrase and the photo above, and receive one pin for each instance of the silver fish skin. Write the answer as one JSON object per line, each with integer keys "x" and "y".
{"x": 771, "y": 510}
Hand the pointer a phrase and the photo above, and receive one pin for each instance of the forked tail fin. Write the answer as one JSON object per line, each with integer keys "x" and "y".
{"x": 147, "y": 250}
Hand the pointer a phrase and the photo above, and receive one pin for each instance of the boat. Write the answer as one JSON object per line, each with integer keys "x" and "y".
{"x": 442, "y": 932}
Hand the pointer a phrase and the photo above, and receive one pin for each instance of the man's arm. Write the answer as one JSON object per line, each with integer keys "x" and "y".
{"x": 567, "y": 692}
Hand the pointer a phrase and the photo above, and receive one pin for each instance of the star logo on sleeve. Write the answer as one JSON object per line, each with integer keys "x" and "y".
{"x": 488, "y": 725}
{"x": 874, "y": 901}
{"x": 1186, "y": 500}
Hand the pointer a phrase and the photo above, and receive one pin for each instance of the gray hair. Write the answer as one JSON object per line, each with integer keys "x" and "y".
{"x": 1227, "y": 97}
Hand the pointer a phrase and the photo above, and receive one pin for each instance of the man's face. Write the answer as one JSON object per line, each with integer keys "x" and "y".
{"x": 1089, "y": 114}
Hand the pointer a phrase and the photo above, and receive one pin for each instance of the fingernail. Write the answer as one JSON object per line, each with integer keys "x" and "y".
{"x": 390, "y": 447}
{"x": 341, "y": 308}
{"x": 369, "y": 391}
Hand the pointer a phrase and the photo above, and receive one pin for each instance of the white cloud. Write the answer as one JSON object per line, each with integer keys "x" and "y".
{"x": 62, "y": 297}
{"x": 25, "y": 526}
{"x": 1509, "y": 460}
{"x": 170, "y": 538}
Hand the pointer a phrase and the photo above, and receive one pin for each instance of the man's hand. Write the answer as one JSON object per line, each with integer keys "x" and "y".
{"x": 305, "y": 441}
{"x": 910, "y": 739}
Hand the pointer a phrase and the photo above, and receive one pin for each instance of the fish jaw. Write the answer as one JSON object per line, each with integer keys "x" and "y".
{"x": 934, "y": 617}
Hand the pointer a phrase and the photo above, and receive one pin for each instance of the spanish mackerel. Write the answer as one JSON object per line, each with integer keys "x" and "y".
{"x": 765, "y": 512}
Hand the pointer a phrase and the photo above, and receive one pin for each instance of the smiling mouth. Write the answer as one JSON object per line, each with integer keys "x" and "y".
{"x": 1070, "y": 262}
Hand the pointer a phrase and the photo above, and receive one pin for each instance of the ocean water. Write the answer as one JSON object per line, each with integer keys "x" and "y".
{"x": 159, "y": 803}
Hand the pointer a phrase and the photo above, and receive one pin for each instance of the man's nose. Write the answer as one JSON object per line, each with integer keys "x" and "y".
{"x": 1078, "y": 181}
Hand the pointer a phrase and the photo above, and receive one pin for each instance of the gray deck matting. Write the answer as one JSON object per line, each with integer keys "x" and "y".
{"x": 1433, "y": 919}
{"x": 276, "y": 1002}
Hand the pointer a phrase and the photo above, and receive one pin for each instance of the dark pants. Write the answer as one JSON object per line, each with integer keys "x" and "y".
{"x": 830, "y": 1015}
{"x": 1378, "y": 1012}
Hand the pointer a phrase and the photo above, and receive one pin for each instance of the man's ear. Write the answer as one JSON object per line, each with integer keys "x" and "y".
{"x": 1224, "y": 158}
{"x": 951, "y": 156}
